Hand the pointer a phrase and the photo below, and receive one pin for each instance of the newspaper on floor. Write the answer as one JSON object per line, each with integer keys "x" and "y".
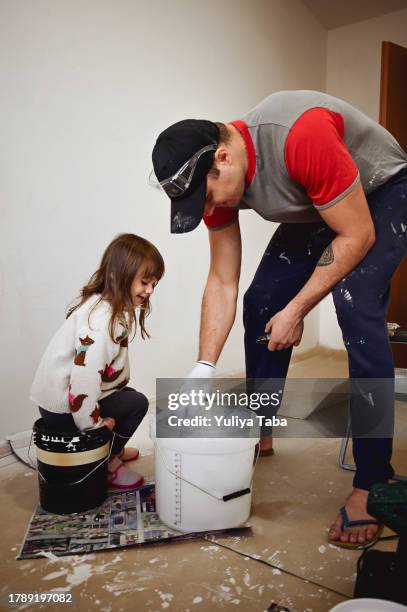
{"x": 125, "y": 519}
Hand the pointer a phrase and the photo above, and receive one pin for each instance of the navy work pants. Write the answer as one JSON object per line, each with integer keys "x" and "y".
{"x": 361, "y": 300}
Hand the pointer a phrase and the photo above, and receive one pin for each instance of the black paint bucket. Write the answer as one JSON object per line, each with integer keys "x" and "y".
{"x": 72, "y": 468}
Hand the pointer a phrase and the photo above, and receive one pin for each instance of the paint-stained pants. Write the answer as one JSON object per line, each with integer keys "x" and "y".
{"x": 361, "y": 300}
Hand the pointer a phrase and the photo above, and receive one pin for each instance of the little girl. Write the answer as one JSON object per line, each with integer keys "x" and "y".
{"x": 82, "y": 378}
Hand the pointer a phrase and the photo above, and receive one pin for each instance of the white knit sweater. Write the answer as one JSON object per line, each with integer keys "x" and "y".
{"x": 82, "y": 364}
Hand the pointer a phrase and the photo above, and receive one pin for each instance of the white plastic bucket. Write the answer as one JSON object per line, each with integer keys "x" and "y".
{"x": 368, "y": 605}
{"x": 203, "y": 484}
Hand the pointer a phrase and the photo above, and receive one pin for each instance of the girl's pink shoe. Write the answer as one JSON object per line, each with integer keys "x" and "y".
{"x": 120, "y": 477}
{"x": 128, "y": 453}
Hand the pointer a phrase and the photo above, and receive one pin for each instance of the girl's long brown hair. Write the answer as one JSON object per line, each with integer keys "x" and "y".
{"x": 125, "y": 256}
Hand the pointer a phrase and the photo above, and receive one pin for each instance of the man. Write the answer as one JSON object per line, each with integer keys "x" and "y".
{"x": 337, "y": 182}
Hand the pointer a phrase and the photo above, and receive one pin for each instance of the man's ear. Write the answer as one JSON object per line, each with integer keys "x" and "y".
{"x": 222, "y": 155}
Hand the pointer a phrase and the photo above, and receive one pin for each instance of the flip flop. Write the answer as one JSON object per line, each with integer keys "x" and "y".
{"x": 346, "y": 523}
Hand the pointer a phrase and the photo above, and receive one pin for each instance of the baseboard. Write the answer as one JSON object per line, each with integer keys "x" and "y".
{"x": 5, "y": 448}
{"x": 320, "y": 351}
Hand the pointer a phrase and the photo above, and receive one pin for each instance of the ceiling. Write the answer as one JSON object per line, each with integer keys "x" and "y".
{"x": 337, "y": 13}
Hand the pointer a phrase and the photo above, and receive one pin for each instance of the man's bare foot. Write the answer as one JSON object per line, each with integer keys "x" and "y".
{"x": 355, "y": 507}
{"x": 266, "y": 443}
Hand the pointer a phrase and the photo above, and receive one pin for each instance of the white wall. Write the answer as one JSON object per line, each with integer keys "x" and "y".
{"x": 353, "y": 73}
{"x": 87, "y": 86}
{"x": 354, "y": 59}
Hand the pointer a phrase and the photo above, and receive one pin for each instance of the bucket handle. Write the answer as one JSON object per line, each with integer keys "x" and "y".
{"x": 76, "y": 482}
{"x": 236, "y": 494}
{"x": 224, "y": 498}
{"x": 30, "y": 461}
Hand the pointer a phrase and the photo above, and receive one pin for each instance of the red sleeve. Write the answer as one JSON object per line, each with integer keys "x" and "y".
{"x": 220, "y": 218}
{"x": 316, "y": 157}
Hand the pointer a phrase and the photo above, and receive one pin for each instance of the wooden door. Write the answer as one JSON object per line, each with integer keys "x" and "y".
{"x": 393, "y": 116}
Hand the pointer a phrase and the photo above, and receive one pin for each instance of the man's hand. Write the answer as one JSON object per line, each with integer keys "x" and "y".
{"x": 202, "y": 369}
{"x": 198, "y": 381}
{"x": 286, "y": 329}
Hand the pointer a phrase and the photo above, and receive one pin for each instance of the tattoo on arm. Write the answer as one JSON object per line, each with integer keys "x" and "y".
{"x": 327, "y": 256}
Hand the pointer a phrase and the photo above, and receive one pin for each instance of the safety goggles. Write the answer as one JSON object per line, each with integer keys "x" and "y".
{"x": 177, "y": 184}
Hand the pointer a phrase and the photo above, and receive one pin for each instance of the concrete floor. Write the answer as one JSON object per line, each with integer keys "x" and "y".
{"x": 286, "y": 559}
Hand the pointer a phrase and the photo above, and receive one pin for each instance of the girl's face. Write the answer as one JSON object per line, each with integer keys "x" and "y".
{"x": 141, "y": 288}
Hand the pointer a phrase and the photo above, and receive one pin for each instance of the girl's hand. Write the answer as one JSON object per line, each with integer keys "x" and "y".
{"x": 109, "y": 422}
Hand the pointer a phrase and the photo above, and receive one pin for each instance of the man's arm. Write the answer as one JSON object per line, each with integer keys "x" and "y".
{"x": 355, "y": 235}
{"x": 220, "y": 295}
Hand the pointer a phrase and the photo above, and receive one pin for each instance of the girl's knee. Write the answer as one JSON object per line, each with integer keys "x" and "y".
{"x": 143, "y": 403}
{"x": 136, "y": 403}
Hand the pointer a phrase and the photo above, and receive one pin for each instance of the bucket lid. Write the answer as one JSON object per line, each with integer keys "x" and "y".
{"x": 58, "y": 441}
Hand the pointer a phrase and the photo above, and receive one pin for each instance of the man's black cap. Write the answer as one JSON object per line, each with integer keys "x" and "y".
{"x": 175, "y": 146}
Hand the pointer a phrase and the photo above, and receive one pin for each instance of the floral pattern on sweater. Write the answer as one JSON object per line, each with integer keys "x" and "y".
{"x": 82, "y": 364}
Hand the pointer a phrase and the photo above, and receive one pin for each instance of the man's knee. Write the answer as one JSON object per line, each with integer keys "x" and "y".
{"x": 250, "y": 297}
{"x": 256, "y": 300}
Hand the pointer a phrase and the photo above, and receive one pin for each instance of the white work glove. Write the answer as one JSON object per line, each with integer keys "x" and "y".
{"x": 199, "y": 379}
{"x": 202, "y": 369}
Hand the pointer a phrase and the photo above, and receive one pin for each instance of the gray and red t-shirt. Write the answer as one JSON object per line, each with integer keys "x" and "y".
{"x": 307, "y": 150}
